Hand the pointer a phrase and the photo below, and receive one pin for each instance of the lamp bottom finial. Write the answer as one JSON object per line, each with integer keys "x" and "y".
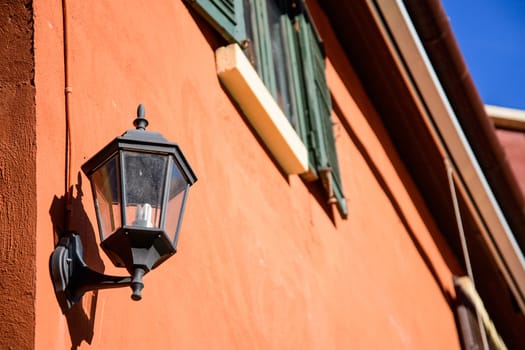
{"x": 136, "y": 283}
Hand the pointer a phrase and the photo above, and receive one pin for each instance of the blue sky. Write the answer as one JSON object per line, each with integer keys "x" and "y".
{"x": 491, "y": 35}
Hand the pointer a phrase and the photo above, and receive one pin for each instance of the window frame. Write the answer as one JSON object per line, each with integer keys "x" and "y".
{"x": 308, "y": 92}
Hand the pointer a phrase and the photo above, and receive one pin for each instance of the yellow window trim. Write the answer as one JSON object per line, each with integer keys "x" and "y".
{"x": 244, "y": 85}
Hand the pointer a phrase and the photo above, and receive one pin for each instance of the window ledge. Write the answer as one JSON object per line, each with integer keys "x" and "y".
{"x": 259, "y": 107}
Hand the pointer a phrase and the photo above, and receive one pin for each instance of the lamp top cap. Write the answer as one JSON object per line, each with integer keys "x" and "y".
{"x": 141, "y": 122}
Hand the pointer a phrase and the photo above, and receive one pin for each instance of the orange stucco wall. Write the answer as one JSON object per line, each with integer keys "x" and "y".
{"x": 261, "y": 262}
{"x": 17, "y": 177}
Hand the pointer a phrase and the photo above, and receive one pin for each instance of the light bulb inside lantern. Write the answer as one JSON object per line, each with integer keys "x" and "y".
{"x": 143, "y": 215}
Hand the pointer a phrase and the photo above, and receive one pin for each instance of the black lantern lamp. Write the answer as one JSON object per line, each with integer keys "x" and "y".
{"x": 140, "y": 182}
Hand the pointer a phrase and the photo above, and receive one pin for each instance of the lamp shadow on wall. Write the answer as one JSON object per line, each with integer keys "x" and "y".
{"x": 73, "y": 217}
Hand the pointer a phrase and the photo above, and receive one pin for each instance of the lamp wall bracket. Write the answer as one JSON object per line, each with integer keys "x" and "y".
{"x": 72, "y": 277}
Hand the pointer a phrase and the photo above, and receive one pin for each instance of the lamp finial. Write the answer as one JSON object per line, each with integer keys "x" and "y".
{"x": 141, "y": 122}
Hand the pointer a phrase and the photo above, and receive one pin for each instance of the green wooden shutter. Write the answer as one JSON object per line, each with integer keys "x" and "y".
{"x": 322, "y": 141}
{"x": 295, "y": 78}
{"x": 263, "y": 45}
{"x": 226, "y": 16}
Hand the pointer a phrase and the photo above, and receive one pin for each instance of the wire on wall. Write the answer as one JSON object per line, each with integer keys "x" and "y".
{"x": 67, "y": 110}
{"x": 464, "y": 246}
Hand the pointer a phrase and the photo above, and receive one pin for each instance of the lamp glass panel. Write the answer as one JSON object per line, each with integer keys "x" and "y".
{"x": 178, "y": 189}
{"x": 106, "y": 191}
{"x": 143, "y": 178}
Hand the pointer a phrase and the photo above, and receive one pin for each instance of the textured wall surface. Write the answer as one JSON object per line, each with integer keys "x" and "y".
{"x": 263, "y": 263}
{"x": 17, "y": 176}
